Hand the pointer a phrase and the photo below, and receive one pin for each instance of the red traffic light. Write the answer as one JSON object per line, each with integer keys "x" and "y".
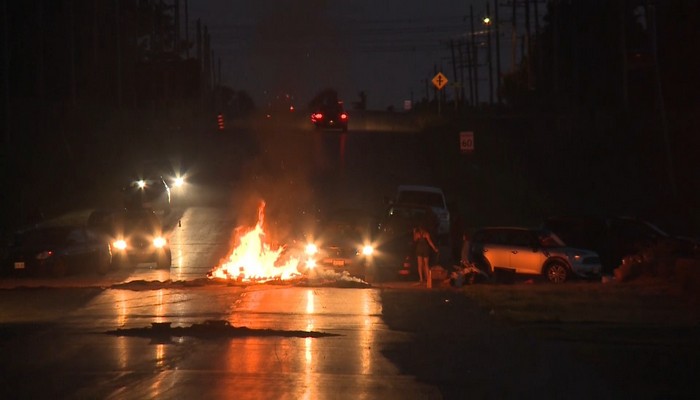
{"x": 220, "y": 121}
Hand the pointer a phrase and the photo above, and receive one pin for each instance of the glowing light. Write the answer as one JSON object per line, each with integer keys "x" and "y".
{"x": 119, "y": 244}
{"x": 159, "y": 242}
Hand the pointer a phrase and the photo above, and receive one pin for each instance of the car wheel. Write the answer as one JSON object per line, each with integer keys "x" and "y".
{"x": 164, "y": 260}
{"x": 557, "y": 272}
{"x": 59, "y": 268}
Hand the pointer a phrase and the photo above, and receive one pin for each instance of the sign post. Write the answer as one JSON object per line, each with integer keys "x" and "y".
{"x": 439, "y": 81}
{"x": 466, "y": 142}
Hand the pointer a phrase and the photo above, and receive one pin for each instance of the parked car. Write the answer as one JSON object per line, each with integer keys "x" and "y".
{"x": 57, "y": 251}
{"x": 136, "y": 236}
{"x": 330, "y": 116}
{"x": 429, "y": 196}
{"x": 340, "y": 243}
{"x": 401, "y": 218}
{"x": 533, "y": 252}
{"x": 615, "y": 237}
{"x": 394, "y": 255}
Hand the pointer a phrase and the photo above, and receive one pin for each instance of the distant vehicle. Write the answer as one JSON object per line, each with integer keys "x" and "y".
{"x": 429, "y": 196}
{"x": 532, "y": 252}
{"x": 330, "y": 116}
{"x": 57, "y": 251}
{"x": 151, "y": 193}
{"x": 136, "y": 236}
{"x": 615, "y": 237}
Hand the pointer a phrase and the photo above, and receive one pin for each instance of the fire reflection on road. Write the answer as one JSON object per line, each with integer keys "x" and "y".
{"x": 353, "y": 314}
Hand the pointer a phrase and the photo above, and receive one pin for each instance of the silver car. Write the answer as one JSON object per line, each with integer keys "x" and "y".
{"x": 532, "y": 252}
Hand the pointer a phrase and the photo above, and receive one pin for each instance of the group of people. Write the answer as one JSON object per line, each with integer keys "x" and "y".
{"x": 465, "y": 271}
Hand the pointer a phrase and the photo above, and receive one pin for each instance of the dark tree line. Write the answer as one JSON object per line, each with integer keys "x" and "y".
{"x": 621, "y": 73}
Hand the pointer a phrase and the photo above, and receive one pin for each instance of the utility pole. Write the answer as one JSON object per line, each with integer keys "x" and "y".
{"x": 470, "y": 65}
{"x": 176, "y": 11}
{"x": 5, "y": 75}
{"x": 498, "y": 51}
{"x": 488, "y": 52}
{"x": 651, "y": 15}
{"x": 454, "y": 73}
{"x": 513, "y": 38}
{"x": 475, "y": 59}
{"x": 461, "y": 72}
{"x": 117, "y": 20}
{"x": 527, "y": 44}
{"x": 187, "y": 31}
{"x": 71, "y": 53}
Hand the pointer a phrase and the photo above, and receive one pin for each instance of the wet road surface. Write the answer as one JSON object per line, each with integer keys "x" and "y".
{"x": 65, "y": 351}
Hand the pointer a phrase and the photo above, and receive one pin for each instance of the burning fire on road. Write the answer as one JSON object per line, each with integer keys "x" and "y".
{"x": 253, "y": 259}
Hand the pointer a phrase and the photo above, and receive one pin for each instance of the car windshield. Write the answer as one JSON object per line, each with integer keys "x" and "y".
{"x": 549, "y": 239}
{"x": 418, "y": 197}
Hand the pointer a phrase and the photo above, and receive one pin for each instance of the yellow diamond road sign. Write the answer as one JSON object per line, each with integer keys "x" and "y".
{"x": 440, "y": 81}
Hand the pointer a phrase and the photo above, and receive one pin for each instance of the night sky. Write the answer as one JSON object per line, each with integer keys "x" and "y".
{"x": 388, "y": 49}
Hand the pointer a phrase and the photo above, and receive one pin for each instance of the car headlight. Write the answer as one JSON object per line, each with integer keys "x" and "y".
{"x": 576, "y": 257}
{"x": 141, "y": 184}
{"x": 179, "y": 181}
{"x": 119, "y": 244}
{"x": 311, "y": 249}
{"x": 367, "y": 250}
{"x": 159, "y": 242}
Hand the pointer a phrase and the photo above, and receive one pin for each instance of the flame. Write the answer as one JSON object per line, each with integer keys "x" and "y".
{"x": 253, "y": 259}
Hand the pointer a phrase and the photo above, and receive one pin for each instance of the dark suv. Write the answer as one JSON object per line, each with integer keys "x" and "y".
{"x": 533, "y": 252}
{"x": 136, "y": 236}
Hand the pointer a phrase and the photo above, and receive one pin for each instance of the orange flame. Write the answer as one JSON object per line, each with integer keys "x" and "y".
{"x": 253, "y": 259}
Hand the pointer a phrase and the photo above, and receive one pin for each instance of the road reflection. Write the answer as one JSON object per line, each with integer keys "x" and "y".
{"x": 352, "y": 314}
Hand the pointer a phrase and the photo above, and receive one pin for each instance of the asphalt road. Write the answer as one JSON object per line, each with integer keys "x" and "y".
{"x": 92, "y": 336}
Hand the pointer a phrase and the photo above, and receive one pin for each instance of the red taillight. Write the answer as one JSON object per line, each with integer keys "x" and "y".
{"x": 343, "y": 116}
{"x": 316, "y": 117}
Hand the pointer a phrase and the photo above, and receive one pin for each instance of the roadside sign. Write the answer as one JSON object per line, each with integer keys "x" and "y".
{"x": 466, "y": 142}
{"x": 440, "y": 81}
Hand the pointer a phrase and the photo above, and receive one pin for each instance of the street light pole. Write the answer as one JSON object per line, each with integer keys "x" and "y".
{"x": 487, "y": 21}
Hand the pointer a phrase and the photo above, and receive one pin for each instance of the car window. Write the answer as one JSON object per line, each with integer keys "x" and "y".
{"x": 492, "y": 236}
{"x": 520, "y": 238}
{"x": 418, "y": 197}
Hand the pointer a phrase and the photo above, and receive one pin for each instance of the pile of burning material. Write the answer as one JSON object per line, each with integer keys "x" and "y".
{"x": 253, "y": 259}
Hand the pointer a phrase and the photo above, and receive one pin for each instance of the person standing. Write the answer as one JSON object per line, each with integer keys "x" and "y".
{"x": 424, "y": 244}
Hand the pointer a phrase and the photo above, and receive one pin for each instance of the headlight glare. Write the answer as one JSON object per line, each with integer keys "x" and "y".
{"x": 159, "y": 242}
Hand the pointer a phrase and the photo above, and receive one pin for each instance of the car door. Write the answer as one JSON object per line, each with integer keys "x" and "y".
{"x": 495, "y": 249}
{"x": 79, "y": 248}
{"x": 525, "y": 254}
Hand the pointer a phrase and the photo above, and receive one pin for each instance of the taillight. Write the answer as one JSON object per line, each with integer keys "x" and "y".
{"x": 343, "y": 116}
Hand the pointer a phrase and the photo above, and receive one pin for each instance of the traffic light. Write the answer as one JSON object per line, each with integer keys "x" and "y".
{"x": 220, "y": 121}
